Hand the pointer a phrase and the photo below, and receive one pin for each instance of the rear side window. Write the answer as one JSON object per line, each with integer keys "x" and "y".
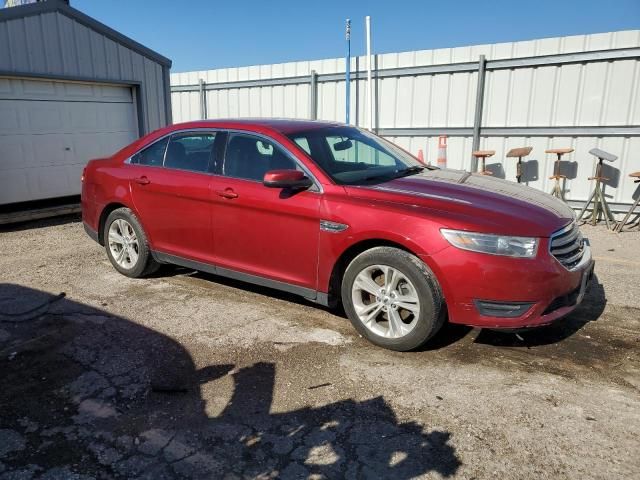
{"x": 190, "y": 151}
{"x": 153, "y": 155}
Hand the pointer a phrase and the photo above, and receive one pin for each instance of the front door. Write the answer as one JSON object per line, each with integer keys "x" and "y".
{"x": 268, "y": 232}
{"x": 171, "y": 193}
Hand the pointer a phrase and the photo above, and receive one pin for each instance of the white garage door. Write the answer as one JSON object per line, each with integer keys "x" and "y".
{"x": 50, "y": 129}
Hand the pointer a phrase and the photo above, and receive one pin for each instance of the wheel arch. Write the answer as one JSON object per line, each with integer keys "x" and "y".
{"x": 351, "y": 252}
{"x": 108, "y": 208}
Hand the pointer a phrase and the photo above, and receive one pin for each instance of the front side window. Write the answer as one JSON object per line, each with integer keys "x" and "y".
{"x": 303, "y": 144}
{"x": 355, "y": 157}
{"x": 190, "y": 151}
{"x": 153, "y": 155}
{"x": 250, "y": 157}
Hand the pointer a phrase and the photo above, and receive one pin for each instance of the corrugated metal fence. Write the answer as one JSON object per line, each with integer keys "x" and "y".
{"x": 579, "y": 91}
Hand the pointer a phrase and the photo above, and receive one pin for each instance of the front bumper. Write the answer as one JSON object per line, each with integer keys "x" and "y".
{"x": 480, "y": 288}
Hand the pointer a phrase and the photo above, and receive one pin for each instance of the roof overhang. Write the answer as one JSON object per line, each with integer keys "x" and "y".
{"x": 50, "y": 6}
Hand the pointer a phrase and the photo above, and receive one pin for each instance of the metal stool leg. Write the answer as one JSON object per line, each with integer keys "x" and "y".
{"x": 584, "y": 209}
{"x": 608, "y": 214}
{"x": 519, "y": 153}
{"x": 618, "y": 228}
{"x": 482, "y": 156}
{"x": 600, "y": 205}
{"x": 595, "y": 213}
{"x": 557, "y": 191}
{"x": 604, "y": 208}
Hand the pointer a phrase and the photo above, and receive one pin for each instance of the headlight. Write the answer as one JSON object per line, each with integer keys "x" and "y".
{"x": 523, "y": 247}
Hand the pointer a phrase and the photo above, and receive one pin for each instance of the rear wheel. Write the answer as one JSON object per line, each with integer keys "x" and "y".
{"x": 392, "y": 298}
{"x": 126, "y": 244}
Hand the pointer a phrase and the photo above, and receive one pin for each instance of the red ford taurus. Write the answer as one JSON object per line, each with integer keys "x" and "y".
{"x": 336, "y": 214}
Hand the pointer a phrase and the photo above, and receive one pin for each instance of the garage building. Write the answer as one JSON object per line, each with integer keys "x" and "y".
{"x": 71, "y": 89}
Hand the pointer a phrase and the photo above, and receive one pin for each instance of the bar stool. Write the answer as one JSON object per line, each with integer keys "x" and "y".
{"x": 483, "y": 155}
{"x": 519, "y": 153}
{"x": 557, "y": 188}
{"x": 600, "y": 205}
{"x": 618, "y": 228}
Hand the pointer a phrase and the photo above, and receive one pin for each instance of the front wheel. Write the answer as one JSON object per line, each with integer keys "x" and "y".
{"x": 392, "y": 298}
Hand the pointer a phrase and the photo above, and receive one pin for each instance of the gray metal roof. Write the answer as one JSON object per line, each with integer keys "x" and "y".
{"x": 61, "y": 7}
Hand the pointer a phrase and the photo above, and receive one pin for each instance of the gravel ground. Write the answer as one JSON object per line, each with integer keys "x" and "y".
{"x": 187, "y": 375}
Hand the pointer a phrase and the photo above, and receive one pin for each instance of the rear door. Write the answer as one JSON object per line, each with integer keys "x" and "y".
{"x": 171, "y": 188}
{"x": 263, "y": 231}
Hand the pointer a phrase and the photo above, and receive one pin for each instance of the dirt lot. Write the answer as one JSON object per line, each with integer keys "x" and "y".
{"x": 189, "y": 375}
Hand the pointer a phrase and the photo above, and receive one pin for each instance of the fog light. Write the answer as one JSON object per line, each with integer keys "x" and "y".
{"x": 502, "y": 309}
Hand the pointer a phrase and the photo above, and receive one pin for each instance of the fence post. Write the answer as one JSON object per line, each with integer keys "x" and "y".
{"x": 477, "y": 119}
{"x": 313, "y": 95}
{"x": 203, "y": 100}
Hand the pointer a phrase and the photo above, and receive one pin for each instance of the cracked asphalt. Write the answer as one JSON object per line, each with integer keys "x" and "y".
{"x": 187, "y": 375}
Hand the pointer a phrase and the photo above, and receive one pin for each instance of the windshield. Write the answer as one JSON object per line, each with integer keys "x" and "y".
{"x": 355, "y": 157}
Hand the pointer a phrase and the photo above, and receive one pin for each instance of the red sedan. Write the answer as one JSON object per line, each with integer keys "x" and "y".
{"x": 336, "y": 214}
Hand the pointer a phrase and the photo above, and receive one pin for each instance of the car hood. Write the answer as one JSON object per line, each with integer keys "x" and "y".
{"x": 497, "y": 205}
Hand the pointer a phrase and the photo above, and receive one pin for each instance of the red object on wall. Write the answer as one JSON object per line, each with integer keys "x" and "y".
{"x": 442, "y": 151}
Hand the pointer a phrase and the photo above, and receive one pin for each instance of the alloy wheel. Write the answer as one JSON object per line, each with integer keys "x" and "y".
{"x": 123, "y": 243}
{"x": 386, "y": 301}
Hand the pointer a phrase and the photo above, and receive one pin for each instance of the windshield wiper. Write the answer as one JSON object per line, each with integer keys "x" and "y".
{"x": 409, "y": 171}
{"x": 395, "y": 174}
{"x": 387, "y": 175}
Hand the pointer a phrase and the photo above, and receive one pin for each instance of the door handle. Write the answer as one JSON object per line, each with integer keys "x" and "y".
{"x": 142, "y": 180}
{"x": 227, "y": 193}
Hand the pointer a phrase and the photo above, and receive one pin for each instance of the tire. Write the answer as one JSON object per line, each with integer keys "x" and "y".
{"x": 414, "y": 322}
{"x": 123, "y": 219}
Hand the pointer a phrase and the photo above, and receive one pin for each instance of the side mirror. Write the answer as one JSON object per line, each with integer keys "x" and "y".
{"x": 294, "y": 179}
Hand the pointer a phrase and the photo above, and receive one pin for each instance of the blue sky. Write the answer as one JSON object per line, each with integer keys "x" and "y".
{"x": 206, "y": 34}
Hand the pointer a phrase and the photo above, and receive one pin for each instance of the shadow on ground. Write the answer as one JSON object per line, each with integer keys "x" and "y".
{"x": 40, "y": 223}
{"x": 84, "y": 394}
{"x": 450, "y": 334}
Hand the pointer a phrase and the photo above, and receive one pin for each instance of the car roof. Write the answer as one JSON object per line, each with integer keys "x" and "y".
{"x": 284, "y": 126}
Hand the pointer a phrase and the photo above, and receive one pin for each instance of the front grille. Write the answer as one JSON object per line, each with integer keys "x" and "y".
{"x": 567, "y": 245}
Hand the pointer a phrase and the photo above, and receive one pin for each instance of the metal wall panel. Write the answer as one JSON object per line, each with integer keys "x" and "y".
{"x": 54, "y": 44}
{"x": 457, "y": 149}
{"x": 587, "y": 94}
{"x": 577, "y": 94}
